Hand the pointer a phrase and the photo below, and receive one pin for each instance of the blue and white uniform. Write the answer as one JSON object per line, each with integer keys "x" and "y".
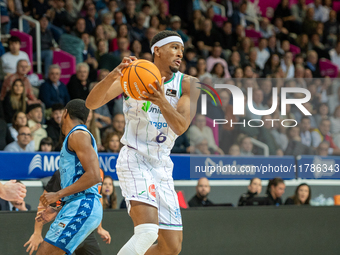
{"x": 82, "y": 212}
{"x": 144, "y": 167}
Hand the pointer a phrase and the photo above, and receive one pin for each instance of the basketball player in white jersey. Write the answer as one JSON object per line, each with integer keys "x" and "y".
{"x": 144, "y": 166}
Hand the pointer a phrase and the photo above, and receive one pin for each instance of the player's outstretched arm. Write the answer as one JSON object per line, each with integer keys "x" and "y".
{"x": 104, "y": 234}
{"x": 36, "y": 238}
{"x": 180, "y": 119}
{"x": 80, "y": 142}
{"x": 109, "y": 88}
{"x": 12, "y": 190}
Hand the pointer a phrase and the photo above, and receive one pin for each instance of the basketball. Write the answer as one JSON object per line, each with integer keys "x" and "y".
{"x": 137, "y": 76}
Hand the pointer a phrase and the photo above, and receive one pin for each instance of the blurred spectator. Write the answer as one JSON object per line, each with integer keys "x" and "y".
{"x": 335, "y": 121}
{"x": 254, "y": 189}
{"x": 53, "y": 91}
{"x": 5, "y": 135}
{"x": 312, "y": 63}
{"x": 139, "y": 30}
{"x": 24, "y": 138}
{"x": 91, "y": 126}
{"x": 22, "y": 70}
{"x": 202, "y": 192}
{"x": 275, "y": 190}
{"x": 228, "y": 41}
{"x": 323, "y": 149}
{"x": 46, "y": 144}
{"x": 257, "y": 104}
{"x": 40, "y": 7}
{"x": 335, "y": 54}
{"x": 112, "y": 143}
{"x": 218, "y": 74}
{"x": 71, "y": 15}
{"x": 267, "y": 137}
{"x": 322, "y": 113}
{"x": 272, "y": 65}
{"x": 10, "y": 59}
{"x": 257, "y": 71}
{"x": 15, "y": 100}
{"x": 109, "y": 31}
{"x": 331, "y": 30}
{"x": 201, "y": 130}
{"x": 196, "y": 22}
{"x": 244, "y": 50}
{"x": 46, "y": 40}
{"x": 272, "y": 46}
{"x": 266, "y": 28}
{"x": 201, "y": 146}
{"x": 136, "y": 49}
{"x": 309, "y": 24}
{"x": 119, "y": 19}
{"x": 206, "y": 38}
{"x": 80, "y": 27}
{"x": 164, "y": 18}
{"x": 323, "y": 134}
{"x": 182, "y": 145}
{"x": 130, "y": 12}
{"x": 91, "y": 20}
{"x": 146, "y": 9}
{"x": 59, "y": 13}
{"x": 216, "y": 58}
{"x": 89, "y": 56}
{"x": 334, "y": 101}
{"x": 53, "y": 125}
{"x": 190, "y": 58}
{"x": 234, "y": 63}
{"x": 175, "y": 25}
{"x": 234, "y": 150}
{"x": 302, "y": 195}
{"x": 246, "y": 146}
{"x": 123, "y": 46}
{"x": 299, "y": 11}
{"x": 262, "y": 53}
{"x": 78, "y": 86}
{"x": 279, "y": 132}
{"x": 202, "y": 69}
{"x": 283, "y": 11}
{"x": 149, "y": 34}
{"x": 102, "y": 49}
{"x": 287, "y": 65}
{"x": 109, "y": 193}
{"x": 306, "y": 135}
{"x": 295, "y": 147}
{"x": 320, "y": 12}
{"x": 35, "y": 116}
{"x": 118, "y": 125}
{"x": 238, "y": 17}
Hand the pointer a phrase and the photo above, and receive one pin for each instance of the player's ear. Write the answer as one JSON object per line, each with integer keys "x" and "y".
{"x": 157, "y": 51}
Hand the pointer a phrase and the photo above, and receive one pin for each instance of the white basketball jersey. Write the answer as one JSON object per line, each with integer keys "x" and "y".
{"x": 146, "y": 130}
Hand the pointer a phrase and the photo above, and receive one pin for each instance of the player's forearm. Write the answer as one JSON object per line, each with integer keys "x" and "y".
{"x": 87, "y": 180}
{"x": 38, "y": 226}
{"x": 97, "y": 95}
{"x": 2, "y": 190}
{"x": 174, "y": 119}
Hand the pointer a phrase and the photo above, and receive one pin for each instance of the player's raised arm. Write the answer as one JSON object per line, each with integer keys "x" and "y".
{"x": 109, "y": 88}
{"x": 180, "y": 119}
{"x": 79, "y": 142}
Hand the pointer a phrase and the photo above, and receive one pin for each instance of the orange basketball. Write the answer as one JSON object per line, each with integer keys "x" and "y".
{"x": 137, "y": 77}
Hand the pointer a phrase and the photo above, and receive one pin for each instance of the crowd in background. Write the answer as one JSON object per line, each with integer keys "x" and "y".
{"x": 100, "y": 33}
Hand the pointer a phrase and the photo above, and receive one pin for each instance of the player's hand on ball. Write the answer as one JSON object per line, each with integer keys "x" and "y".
{"x": 125, "y": 62}
{"x": 158, "y": 96}
{"x": 49, "y": 198}
{"x": 33, "y": 243}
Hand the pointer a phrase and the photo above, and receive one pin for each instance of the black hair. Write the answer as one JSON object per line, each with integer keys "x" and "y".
{"x": 14, "y": 39}
{"x": 77, "y": 110}
{"x": 274, "y": 182}
{"x": 304, "y": 118}
{"x": 32, "y": 107}
{"x": 46, "y": 140}
{"x": 213, "y": 71}
{"x": 161, "y": 35}
{"x": 57, "y": 107}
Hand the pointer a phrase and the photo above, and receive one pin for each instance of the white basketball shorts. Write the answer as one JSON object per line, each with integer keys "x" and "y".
{"x": 149, "y": 181}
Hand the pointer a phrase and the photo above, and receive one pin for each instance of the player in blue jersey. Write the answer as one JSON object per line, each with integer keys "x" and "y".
{"x": 79, "y": 173}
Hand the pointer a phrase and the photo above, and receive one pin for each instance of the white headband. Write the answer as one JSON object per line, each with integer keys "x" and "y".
{"x": 166, "y": 40}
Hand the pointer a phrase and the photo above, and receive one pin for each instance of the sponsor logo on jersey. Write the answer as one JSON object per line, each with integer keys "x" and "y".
{"x": 146, "y": 106}
{"x": 171, "y": 92}
{"x": 159, "y": 125}
{"x": 155, "y": 110}
{"x": 152, "y": 190}
{"x": 61, "y": 224}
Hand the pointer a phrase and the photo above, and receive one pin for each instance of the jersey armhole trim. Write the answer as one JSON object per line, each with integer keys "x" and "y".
{"x": 180, "y": 85}
{"x": 93, "y": 142}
